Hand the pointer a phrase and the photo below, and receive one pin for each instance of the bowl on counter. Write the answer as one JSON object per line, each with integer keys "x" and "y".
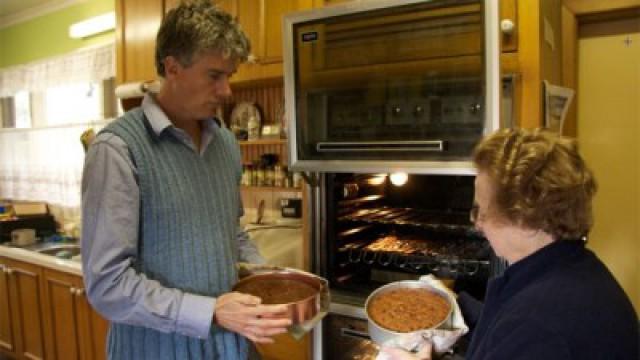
{"x": 301, "y": 291}
{"x": 404, "y": 307}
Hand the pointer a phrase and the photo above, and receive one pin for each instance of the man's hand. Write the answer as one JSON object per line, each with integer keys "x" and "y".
{"x": 244, "y": 314}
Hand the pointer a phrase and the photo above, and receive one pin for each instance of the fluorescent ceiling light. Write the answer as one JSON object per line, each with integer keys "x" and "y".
{"x": 93, "y": 26}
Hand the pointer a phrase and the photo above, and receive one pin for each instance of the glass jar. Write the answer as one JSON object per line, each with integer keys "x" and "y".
{"x": 260, "y": 176}
{"x": 247, "y": 175}
{"x": 278, "y": 176}
{"x": 269, "y": 176}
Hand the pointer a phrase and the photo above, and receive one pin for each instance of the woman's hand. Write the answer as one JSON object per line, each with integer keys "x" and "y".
{"x": 394, "y": 353}
{"x": 244, "y": 314}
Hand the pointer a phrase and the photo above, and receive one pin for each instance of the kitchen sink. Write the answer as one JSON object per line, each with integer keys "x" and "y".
{"x": 63, "y": 251}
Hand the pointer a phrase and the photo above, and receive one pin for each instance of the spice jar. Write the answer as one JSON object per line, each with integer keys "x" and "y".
{"x": 297, "y": 180}
{"x": 269, "y": 176}
{"x": 247, "y": 175}
{"x": 278, "y": 176}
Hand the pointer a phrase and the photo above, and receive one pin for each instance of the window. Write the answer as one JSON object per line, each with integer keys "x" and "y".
{"x": 67, "y": 104}
{"x": 22, "y": 106}
{"x": 74, "y": 103}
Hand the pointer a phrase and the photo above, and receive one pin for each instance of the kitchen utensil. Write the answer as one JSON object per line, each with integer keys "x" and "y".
{"x": 299, "y": 311}
{"x": 23, "y": 237}
{"x": 381, "y": 335}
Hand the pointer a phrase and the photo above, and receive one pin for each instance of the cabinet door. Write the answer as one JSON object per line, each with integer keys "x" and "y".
{"x": 137, "y": 24}
{"x": 8, "y": 331}
{"x": 508, "y": 12}
{"x": 170, "y": 4}
{"x": 95, "y": 326}
{"x": 230, "y": 6}
{"x": 63, "y": 322}
{"x": 271, "y": 36}
{"x": 25, "y": 280}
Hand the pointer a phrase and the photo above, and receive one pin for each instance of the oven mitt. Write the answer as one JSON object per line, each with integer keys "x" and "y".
{"x": 442, "y": 338}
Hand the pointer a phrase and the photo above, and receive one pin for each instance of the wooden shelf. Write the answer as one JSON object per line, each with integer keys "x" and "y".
{"x": 263, "y": 142}
{"x": 269, "y": 189}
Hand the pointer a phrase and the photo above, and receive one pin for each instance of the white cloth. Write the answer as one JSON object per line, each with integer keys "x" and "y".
{"x": 442, "y": 338}
{"x": 44, "y": 164}
{"x": 92, "y": 64}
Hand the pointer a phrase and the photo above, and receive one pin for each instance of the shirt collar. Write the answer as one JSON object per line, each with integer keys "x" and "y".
{"x": 159, "y": 120}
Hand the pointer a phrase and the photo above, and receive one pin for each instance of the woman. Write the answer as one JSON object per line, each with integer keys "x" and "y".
{"x": 556, "y": 300}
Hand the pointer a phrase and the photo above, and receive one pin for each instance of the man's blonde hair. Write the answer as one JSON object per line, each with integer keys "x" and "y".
{"x": 195, "y": 27}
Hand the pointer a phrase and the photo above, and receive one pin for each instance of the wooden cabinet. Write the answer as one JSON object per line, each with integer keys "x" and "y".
{"x": 137, "y": 24}
{"x": 44, "y": 314}
{"x": 77, "y": 332}
{"x": 261, "y": 20}
{"x": 22, "y": 327}
{"x": 8, "y": 330}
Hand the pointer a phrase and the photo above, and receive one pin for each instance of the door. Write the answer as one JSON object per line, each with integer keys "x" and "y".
{"x": 608, "y": 132}
{"x": 25, "y": 280}
{"x": 8, "y": 331}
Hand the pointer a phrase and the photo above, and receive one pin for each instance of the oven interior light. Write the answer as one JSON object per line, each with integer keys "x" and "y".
{"x": 399, "y": 178}
{"x": 377, "y": 179}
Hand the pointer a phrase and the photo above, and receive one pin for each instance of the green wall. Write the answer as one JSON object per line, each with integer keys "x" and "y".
{"x": 48, "y": 35}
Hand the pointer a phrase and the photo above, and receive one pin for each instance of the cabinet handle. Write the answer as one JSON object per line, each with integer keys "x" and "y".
{"x": 8, "y": 271}
{"x": 72, "y": 290}
{"x": 79, "y": 291}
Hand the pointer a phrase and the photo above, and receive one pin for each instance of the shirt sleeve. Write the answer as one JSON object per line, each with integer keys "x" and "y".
{"x": 110, "y": 219}
{"x": 471, "y": 309}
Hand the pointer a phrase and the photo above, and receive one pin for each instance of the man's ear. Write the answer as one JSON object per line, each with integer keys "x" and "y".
{"x": 171, "y": 66}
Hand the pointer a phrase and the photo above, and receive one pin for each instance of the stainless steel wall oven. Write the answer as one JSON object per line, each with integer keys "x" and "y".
{"x": 370, "y": 231}
{"x": 408, "y": 84}
{"x": 382, "y": 86}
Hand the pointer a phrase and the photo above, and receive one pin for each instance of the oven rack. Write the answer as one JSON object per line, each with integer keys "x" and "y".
{"x": 451, "y": 265}
{"x": 450, "y": 222}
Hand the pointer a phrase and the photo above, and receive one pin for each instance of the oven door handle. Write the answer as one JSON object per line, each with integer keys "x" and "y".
{"x": 384, "y": 146}
{"x": 354, "y": 333}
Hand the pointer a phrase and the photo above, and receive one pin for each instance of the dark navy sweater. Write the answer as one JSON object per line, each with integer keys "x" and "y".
{"x": 558, "y": 303}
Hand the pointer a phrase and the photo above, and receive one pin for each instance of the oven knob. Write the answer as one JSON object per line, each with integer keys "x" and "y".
{"x": 396, "y": 110}
{"x": 418, "y": 111}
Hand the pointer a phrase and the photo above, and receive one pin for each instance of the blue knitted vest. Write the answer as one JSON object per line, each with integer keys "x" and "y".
{"x": 187, "y": 233}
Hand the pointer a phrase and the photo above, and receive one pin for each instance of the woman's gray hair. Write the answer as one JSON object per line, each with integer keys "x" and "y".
{"x": 197, "y": 26}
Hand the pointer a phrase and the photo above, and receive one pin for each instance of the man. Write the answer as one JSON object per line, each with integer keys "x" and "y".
{"x": 161, "y": 206}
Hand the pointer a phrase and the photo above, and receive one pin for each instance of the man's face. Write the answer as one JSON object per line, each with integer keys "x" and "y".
{"x": 201, "y": 87}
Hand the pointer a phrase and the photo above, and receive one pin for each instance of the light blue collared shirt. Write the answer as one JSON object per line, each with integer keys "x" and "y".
{"x": 110, "y": 240}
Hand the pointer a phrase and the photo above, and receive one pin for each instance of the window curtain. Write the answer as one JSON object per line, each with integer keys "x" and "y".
{"x": 92, "y": 64}
{"x": 45, "y": 164}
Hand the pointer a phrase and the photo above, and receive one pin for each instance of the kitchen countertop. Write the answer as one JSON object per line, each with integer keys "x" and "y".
{"x": 52, "y": 262}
